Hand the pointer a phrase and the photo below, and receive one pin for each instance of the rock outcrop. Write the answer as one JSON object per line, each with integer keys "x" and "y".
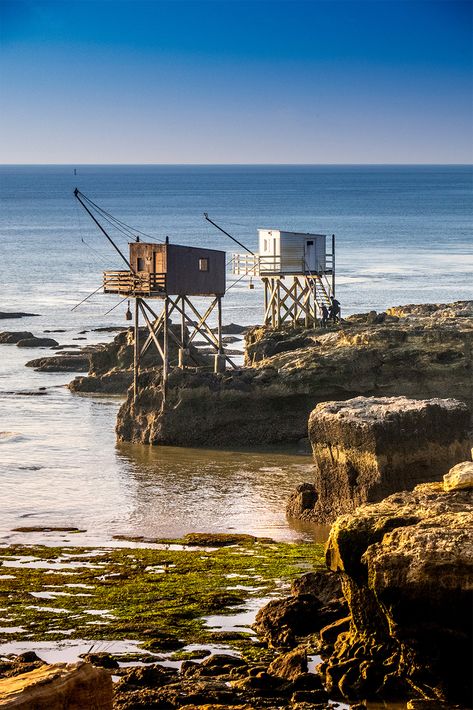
{"x": 18, "y": 314}
{"x": 78, "y": 362}
{"x": 58, "y": 687}
{"x": 460, "y": 477}
{"x": 9, "y": 337}
{"x": 34, "y": 342}
{"x": 420, "y": 354}
{"x": 407, "y": 573}
{"x": 316, "y": 601}
{"x": 111, "y": 364}
{"x": 367, "y": 448}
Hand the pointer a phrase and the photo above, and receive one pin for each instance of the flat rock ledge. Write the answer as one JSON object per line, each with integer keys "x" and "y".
{"x": 407, "y": 574}
{"x": 369, "y": 447}
{"x": 58, "y": 687}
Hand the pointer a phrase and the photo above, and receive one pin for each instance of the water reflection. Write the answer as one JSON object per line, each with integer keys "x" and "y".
{"x": 177, "y": 491}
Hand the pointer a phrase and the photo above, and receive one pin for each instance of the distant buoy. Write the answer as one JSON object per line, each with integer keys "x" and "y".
{"x": 251, "y": 284}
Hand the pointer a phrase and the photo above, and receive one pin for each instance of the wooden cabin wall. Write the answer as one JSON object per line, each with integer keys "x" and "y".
{"x": 151, "y": 254}
{"x": 181, "y": 266}
{"x": 184, "y": 276}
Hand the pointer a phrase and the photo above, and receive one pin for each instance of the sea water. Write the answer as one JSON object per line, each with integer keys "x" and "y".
{"x": 403, "y": 235}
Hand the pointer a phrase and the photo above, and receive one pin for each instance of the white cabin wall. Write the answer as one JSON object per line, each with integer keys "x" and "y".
{"x": 288, "y": 254}
{"x": 321, "y": 250}
{"x": 292, "y": 252}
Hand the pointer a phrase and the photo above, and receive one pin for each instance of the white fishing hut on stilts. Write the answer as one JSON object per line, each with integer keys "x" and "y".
{"x": 298, "y": 275}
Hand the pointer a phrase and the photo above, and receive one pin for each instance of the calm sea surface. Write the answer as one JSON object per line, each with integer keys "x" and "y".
{"x": 404, "y": 234}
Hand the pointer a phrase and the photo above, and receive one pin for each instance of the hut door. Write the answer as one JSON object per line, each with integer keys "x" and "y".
{"x": 310, "y": 264}
{"x": 158, "y": 262}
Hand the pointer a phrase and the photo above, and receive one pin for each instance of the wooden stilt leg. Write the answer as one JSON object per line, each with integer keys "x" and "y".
{"x": 165, "y": 347}
{"x": 136, "y": 350}
{"x": 219, "y": 357}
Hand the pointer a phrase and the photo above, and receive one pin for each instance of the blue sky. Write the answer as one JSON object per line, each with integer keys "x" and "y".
{"x": 231, "y": 81}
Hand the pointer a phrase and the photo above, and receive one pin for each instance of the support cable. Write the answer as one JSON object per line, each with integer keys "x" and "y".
{"x": 86, "y": 298}
{"x": 206, "y": 216}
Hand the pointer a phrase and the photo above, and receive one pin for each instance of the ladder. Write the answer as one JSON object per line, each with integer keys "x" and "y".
{"x": 322, "y": 291}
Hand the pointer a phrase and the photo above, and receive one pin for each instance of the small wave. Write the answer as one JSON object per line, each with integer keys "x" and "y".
{"x": 8, "y": 436}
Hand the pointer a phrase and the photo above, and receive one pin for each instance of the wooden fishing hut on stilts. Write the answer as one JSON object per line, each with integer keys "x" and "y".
{"x": 169, "y": 275}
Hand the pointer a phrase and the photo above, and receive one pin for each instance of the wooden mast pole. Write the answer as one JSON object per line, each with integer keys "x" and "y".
{"x": 333, "y": 265}
{"x": 165, "y": 346}
{"x": 136, "y": 350}
{"x": 219, "y": 357}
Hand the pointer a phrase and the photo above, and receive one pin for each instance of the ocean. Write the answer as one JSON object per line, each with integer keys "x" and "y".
{"x": 404, "y": 235}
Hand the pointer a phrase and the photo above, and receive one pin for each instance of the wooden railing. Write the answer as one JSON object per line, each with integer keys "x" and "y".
{"x": 256, "y": 265}
{"x": 126, "y": 282}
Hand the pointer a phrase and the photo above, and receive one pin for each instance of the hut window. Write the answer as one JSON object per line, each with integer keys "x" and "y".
{"x": 203, "y": 264}
{"x": 140, "y": 264}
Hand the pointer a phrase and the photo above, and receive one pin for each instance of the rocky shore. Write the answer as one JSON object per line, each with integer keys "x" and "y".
{"x": 111, "y": 365}
{"x": 386, "y": 400}
{"x": 407, "y": 573}
{"x": 385, "y": 622}
{"x": 414, "y": 351}
{"x": 368, "y": 447}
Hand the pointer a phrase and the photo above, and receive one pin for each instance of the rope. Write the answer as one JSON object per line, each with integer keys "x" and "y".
{"x": 121, "y": 226}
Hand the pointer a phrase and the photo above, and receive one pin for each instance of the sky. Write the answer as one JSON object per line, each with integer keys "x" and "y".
{"x": 236, "y": 81}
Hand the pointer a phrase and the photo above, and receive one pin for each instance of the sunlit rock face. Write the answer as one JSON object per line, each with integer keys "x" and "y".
{"x": 407, "y": 574}
{"x": 56, "y": 687}
{"x": 368, "y": 447}
{"x": 423, "y": 352}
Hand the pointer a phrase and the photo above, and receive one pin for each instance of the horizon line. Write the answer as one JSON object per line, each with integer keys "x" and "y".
{"x": 118, "y": 164}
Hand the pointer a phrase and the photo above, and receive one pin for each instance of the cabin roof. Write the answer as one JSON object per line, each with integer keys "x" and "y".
{"x": 163, "y": 245}
{"x": 289, "y": 231}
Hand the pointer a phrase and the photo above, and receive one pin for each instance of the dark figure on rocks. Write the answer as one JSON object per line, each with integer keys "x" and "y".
{"x": 325, "y": 316}
{"x": 334, "y": 312}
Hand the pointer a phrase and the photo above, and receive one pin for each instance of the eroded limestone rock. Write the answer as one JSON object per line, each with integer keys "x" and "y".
{"x": 366, "y": 448}
{"x": 460, "y": 477}
{"x": 34, "y": 342}
{"x": 289, "y": 372}
{"x": 58, "y": 687}
{"x": 61, "y": 363}
{"x": 407, "y": 569}
{"x": 111, "y": 364}
{"x": 290, "y": 665}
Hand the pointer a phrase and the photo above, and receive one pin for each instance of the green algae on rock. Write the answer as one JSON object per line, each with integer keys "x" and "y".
{"x": 157, "y": 596}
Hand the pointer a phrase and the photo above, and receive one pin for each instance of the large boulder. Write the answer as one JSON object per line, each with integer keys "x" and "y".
{"x": 366, "y": 448}
{"x": 460, "y": 477}
{"x": 58, "y": 687}
{"x": 407, "y": 574}
{"x": 316, "y": 600}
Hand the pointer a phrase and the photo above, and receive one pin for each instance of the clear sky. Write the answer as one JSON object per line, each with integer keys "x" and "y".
{"x": 236, "y": 81}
